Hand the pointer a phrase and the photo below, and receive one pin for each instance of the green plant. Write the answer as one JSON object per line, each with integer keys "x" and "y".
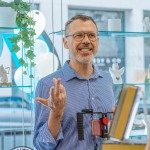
{"x": 26, "y": 33}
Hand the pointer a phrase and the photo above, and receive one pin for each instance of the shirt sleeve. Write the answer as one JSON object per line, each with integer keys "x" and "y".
{"x": 43, "y": 139}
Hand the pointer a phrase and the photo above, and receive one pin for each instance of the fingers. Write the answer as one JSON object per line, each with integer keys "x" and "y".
{"x": 57, "y": 96}
{"x": 52, "y": 92}
{"x": 59, "y": 88}
{"x": 57, "y": 85}
{"x": 64, "y": 93}
{"x": 42, "y": 100}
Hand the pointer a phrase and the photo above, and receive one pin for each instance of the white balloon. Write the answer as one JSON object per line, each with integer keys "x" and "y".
{"x": 21, "y": 79}
{"x": 40, "y": 24}
{"x": 44, "y": 64}
{"x": 40, "y": 47}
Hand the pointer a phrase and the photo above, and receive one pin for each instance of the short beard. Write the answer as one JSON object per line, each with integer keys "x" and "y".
{"x": 78, "y": 58}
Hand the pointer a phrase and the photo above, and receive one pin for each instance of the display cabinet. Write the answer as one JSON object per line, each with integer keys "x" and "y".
{"x": 136, "y": 66}
{"x": 16, "y": 95}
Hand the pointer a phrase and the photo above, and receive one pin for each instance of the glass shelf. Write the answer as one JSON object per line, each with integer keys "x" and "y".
{"x": 114, "y": 33}
{"x": 146, "y": 83}
{"x": 15, "y": 86}
{"x": 124, "y": 34}
{"x": 6, "y": 28}
{"x": 135, "y": 133}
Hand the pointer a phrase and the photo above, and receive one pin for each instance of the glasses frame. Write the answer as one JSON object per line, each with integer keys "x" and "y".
{"x": 85, "y": 33}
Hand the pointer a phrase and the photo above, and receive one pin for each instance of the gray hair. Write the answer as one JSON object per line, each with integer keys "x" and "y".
{"x": 80, "y": 17}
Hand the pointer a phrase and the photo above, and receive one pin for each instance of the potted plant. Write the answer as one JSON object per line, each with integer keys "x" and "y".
{"x": 26, "y": 34}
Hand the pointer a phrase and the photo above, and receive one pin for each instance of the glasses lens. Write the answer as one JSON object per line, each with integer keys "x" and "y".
{"x": 92, "y": 36}
{"x": 78, "y": 36}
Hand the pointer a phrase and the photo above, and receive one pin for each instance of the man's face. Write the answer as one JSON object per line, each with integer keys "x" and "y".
{"x": 83, "y": 50}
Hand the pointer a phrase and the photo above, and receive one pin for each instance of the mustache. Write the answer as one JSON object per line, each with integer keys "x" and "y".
{"x": 85, "y": 47}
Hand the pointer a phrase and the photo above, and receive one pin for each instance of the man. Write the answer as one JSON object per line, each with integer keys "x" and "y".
{"x": 77, "y": 86}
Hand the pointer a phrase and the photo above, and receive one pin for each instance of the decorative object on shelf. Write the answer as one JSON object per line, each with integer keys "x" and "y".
{"x": 146, "y": 113}
{"x": 7, "y": 20}
{"x": 139, "y": 120}
{"x": 116, "y": 73}
{"x": 4, "y": 77}
{"x": 146, "y": 24}
{"x": 25, "y": 36}
{"x": 148, "y": 125}
{"x": 114, "y": 24}
{"x": 139, "y": 124}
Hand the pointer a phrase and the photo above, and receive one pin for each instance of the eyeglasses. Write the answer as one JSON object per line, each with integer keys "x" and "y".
{"x": 79, "y": 36}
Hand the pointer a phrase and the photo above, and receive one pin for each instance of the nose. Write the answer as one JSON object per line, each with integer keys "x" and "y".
{"x": 86, "y": 39}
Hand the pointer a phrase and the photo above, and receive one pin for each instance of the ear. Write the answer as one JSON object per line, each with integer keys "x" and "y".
{"x": 65, "y": 41}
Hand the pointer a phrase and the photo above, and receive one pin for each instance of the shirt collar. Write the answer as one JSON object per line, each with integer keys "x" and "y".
{"x": 69, "y": 73}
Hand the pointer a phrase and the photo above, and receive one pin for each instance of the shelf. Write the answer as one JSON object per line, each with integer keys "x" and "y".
{"x": 114, "y": 33}
{"x": 136, "y": 133}
{"x": 15, "y": 86}
{"x": 124, "y": 34}
{"x": 7, "y": 28}
{"x": 132, "y": 84}
{"x": 4, "y": 30}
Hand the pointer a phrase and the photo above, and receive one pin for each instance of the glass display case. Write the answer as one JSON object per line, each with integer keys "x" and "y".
{"x": 16, "y": 95}
{"x": 136, "y": 66}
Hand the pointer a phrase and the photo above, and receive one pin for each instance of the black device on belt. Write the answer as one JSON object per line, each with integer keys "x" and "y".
{"x": 99, "y": 126}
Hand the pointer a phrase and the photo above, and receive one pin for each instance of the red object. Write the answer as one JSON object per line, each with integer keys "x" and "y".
{"x": 96, "y": 127}
{"x": 105, "y": 120}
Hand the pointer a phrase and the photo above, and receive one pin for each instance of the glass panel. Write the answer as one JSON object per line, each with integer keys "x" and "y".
{"x": 16, "y": 102}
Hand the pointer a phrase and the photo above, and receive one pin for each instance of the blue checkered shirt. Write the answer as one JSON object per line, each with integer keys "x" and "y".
{"x": 97, "y": 93}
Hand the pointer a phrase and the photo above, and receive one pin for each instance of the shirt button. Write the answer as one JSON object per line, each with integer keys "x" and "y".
{"x": 92, "y": 98}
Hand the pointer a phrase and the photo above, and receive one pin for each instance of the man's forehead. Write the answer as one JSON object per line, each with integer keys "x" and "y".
{"x": 81, "y": 24}
{"x": 81, "y": 21}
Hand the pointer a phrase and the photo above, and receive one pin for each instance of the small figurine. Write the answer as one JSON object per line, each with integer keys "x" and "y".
{"x": 3, "y": 74}
{"x": 146, "y": 24}
{"x": 116, "y": 73}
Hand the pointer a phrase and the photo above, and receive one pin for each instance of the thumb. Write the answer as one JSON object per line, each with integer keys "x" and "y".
{"x": 42, "y": 100}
